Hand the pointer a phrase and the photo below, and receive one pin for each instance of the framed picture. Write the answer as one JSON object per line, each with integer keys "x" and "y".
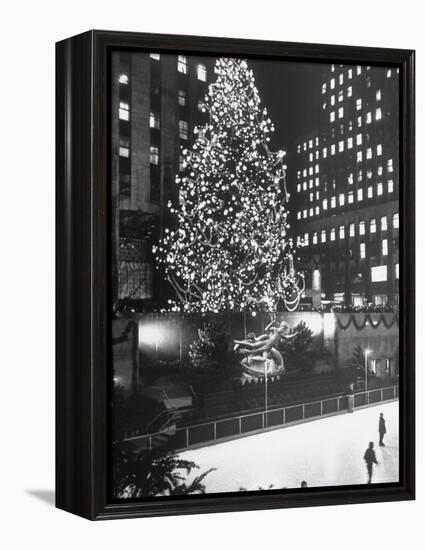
{"x": 235, "y": 275}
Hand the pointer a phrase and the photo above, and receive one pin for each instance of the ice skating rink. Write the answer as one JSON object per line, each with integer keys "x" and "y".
{"x": 323, "y": 452}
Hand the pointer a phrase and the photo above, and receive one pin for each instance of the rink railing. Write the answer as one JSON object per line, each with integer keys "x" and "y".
{"x": 207, "y": 433}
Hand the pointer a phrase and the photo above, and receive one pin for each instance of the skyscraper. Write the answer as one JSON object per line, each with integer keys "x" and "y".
{"x": 158, "y": 99}
{"x": 344, "y": 181}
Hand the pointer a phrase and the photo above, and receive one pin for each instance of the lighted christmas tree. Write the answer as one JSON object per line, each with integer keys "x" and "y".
{"x": 230, "y": 249}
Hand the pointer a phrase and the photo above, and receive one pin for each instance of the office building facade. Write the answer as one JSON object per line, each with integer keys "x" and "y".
{"x": 344, "y": 181}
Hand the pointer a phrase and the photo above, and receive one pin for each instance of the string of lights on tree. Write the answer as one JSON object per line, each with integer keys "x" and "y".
{"x": 230, "y": 248}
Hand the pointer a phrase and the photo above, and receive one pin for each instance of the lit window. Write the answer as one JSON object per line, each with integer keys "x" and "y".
{"x": 369, "y": 118}
{"x": 370, "y": 192}
{"x": 304, "y": 146}
{"x": 123, "y": 79}
{"x": 350, "y": 73}
{"x": 340, "y": 95}
{"x": 324, "y": 88}
{"x": 323, "y": 236}
{"x": 332, "y": 100}
{"x": 182, "y": 163}
{"x": 362, "y": 251}
{"x": 310, "y": 157}
{"x": 316, "y": 181}
{"x": 154, "y": 121}
{"x": 359, "y": 139}
{"x": 378, "y": 273}
{"x": 183, "y": 129}
{"x": 310, "y": 143}
{"x": 378, "y": 95}
{"x": 379, "y": 170}
{"x": 333, "y": 149}
{"x": 359, "y": 69}
{"x": 332, "y": 83}
{"x": 316, "y": 168}
{"x": 390, "y": 186}
{"x": 384, "y": 223}
{"x": 350, "y": 143}
{"x": 352, "y": 232}
{"x": 305, "y": 172}
{"x": 349, "y": 91}
{"x": 311, "y": 197}
{"x": 350, "y": 178}
{"x": 350, "y": 197}
{"x": 304, "y": 186}
{"x": 362, "y": 228}
{"x": 333, "y": 234}
{"x": 298, "y": 187}
{"x": 341, "y": 78}
{"x": 124, "y": 147}
{"x": 341, "y": 232}
{"x": 359, "y": 156}
{"x": 379, "y": 189}
{"x": 299, "y": 215}
{"x": 397, "y": 274}
{"x": 369, "y": 153}
{"x": 304, "y": 213}
{"x": 154, "y": 155}
{"x": 341, "y": 199}
{"x": 182, "y": 64}
{"x": 317, "y": 210}
{"x": 305, "y": 239}
{"x": 359, "y": 121}
{"x": 325, "y": 204}
{"x": 341, "y": 146}
{"x": 202, "y": 72}
{"x": 378, "y": 114}
{"x": 333, "y": 202}
{"x": 395, "y": 220}
{"x": 385, "y": 247}
{"x": 340, "y": 112}
{"x": 201, "y": 107}
{"x": 314, "y": 238}
{"x": 325, "y": 152}
{"x": 390, "y": 165}
{"x": 182, "y": 98}
{"x": 310, "y": 171}
{"x": 360, "y": 176}
{"x": 359, "y": 194}
{"x": 124, "y": 111}
{"x": 388, "y": 73}
{"x": 155, "y": 56}
{"x": 372, "y": 225}
{"x": 379, "y": 150}
{"x": 358, "y": 104}
{"x": 332, "y": 116}
{"x": 369, "y": 174}
{"x": 310, "y": 212}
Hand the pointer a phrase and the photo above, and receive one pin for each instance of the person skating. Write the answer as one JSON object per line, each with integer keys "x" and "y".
{"x": 370, "y": 459}
{"x": 382, "y": 430}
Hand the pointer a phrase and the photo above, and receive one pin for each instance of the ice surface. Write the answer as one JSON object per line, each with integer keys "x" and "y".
{"x": 328, "y": 451}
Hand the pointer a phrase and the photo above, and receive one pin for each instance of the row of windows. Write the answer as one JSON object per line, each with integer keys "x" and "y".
{"x": 349, "y": 93}
{"x": 378, "y": 114}
{"x": 332, "y": 233}
{"x": 182, "y": 67}
{"x": 343, "y": 198}
{"x": 349, "y": 75}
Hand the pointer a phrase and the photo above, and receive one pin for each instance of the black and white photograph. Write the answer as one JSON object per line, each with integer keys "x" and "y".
{"x": 254, "y": 274}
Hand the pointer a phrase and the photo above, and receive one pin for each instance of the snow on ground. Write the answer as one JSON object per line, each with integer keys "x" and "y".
{"x": 328, "y": 451}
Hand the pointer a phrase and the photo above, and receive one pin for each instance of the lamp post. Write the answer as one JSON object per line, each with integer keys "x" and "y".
{"x": 366, "y": 353}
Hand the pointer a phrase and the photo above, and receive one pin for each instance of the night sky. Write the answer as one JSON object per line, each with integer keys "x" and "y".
{"x": 291, "y": 91}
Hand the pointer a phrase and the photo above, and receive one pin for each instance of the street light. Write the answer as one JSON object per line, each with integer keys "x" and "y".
{"x": 366, "y": 353}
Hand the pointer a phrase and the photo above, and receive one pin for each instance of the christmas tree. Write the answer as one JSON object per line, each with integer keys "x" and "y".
{"x": 230, "y": 249}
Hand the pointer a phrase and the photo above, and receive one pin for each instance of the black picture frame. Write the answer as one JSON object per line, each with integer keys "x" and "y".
{"x": 82, "y": 202}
